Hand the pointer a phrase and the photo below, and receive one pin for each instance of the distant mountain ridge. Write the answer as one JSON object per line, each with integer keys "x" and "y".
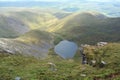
{"x": 15, "y": 23}
{"x": 111, "y": 8}
{"x": 34, "y": 31}
{"x": 88, "y": 28}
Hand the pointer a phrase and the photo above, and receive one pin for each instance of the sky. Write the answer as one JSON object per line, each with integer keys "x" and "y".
{"x": 66, "y": 0}
{"x": 29, "y": 0}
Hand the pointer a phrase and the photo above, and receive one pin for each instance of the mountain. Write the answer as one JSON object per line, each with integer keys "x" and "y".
{"x": 88, "y": 27}
{"x": 35, "y": 19}
{"x": 29, "y": 31}
{"x": 35, "y": 37}
{"x": 11, "y": 27}
{"x": 13, "y": 23}
{"x": 33, "y": 43}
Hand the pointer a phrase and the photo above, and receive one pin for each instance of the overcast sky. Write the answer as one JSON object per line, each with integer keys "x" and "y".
{"x": 66, "y": 0}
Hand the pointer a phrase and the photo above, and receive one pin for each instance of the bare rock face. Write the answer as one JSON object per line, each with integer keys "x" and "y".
{"x": 11, "y": 46}
{"x": 16, "y": 46}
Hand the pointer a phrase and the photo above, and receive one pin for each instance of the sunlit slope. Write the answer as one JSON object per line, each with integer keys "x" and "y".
{"x": 88, "y": 27}
{"x": 17, "y": 22}
{"x": 35, "y": 19}
{"x": 35, "y": 37}
{"x": 77, "y": 19}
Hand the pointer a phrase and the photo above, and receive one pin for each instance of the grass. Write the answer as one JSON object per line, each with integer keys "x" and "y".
{"x": 30, "y": 68}
{"x": 27, "y": 19}
{"x": 35, "y": 36}
{"x": 35, "y": 20}
{"x": 87, "y": 28}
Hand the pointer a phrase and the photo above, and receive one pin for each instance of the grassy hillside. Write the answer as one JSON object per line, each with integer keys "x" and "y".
{"x": 88, "y": 27}
{"x": 35, "y": 19}
{"x": 29, "y": 68}
{"x": 21, "y": 20}
{"x": 11, "y": 27}
{"x": 35, "y": 37}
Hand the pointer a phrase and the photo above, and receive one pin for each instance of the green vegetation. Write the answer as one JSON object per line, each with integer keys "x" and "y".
{"x": 17, "y": 22}
{"x": 30, "y": 68}
{"x": 35, "y": 36}
{"x": 31, "y": 26}
{"x": 88, "y": 28}
{"x": 35, "y": 20}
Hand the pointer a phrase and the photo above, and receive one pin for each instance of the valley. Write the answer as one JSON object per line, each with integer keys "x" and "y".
{"x": 64, "y": 40}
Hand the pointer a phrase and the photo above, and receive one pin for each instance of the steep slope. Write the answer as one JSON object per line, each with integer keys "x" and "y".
{"x": 36, "y": 37}
{"x": 35, "y": 19}
{"x": 88, "y": 27}
{"x": 16, "y": 22}
{"x": 11, "y": 27}
{"x": 34, "y": 43}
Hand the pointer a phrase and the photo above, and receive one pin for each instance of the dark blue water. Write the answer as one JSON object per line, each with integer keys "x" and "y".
{"x": 66, "y": 49}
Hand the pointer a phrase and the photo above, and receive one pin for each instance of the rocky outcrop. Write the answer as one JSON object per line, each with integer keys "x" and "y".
{"x": 14, "y": 46}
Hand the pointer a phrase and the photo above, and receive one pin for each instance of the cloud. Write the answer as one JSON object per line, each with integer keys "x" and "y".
{"x": 104, "y": 0}
{"x": 67, "y": 0}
